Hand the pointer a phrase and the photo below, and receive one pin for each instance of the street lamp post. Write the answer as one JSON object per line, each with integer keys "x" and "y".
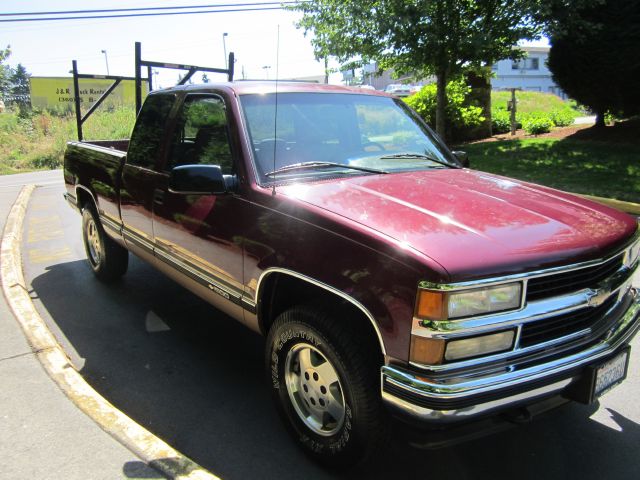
{"x": 106, "y": 60}
{"x": 155, "y": 73}
{"x": 224, "y": 46}
{"x": 266, "y": 69}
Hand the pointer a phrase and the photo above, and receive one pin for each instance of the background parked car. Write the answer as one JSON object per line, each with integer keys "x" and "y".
{"x": 398, "y": 90}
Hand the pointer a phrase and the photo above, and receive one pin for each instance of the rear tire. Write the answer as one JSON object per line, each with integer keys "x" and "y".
{"x": 108, "y": 260}
{"x": 325, "y": 383}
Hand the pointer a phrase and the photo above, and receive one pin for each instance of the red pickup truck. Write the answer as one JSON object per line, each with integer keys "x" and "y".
{"x": 388, "y": 279}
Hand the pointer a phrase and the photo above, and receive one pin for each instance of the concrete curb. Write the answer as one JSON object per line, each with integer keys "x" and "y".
{"x": 629, "y": 207}
{"x": 154, "y": 451}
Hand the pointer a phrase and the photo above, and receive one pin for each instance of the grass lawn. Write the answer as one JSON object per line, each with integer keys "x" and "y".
{"x": 529, "y": 101}
{"x": 604, "y": 169}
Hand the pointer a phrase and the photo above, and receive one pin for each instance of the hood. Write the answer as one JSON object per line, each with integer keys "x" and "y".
{"x": 472, "y": 223}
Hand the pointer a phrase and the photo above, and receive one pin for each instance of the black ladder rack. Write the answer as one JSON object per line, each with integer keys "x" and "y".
{"x": 139, "y": 63}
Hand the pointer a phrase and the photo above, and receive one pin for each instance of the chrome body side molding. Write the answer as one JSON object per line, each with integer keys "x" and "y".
{"x": 208, "y": 287}
{"x": 71, "y": 200}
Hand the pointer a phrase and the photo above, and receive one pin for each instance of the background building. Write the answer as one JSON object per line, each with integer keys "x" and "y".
{"x": 311, "y": 79}
{"x": 368, "y": 75}
{"x": 530, "y": 73}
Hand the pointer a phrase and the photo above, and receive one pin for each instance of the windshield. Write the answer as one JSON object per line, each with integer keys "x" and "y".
{"x": 328, "y": 134}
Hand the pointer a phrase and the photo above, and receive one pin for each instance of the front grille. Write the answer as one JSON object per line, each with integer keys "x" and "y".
{"x": 551, "y": 328}
{"x": 567, "y": 282}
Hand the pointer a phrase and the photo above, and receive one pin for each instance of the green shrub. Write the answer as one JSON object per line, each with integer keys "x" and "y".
{"x": 38, "y": 140}
{"x": 611, "y": 117}
{"x": 562, "y": 117}
{"x": 63, "y": 110}
{"x": 531, "y": 107}
{"x": 500, "y": 121}
{"x": 537, "y": 123}
{"x": 459, "y": 113}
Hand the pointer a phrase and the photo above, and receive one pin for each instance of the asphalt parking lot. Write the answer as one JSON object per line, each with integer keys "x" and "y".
{"x": 195, "y": 378}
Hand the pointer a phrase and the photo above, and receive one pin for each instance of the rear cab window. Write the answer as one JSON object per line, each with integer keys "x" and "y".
{"x": 149, "y": 132}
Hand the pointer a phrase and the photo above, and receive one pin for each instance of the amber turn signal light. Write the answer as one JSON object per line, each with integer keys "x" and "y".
{"x": 426, "y": 351}
{"x": 431, "y": 305}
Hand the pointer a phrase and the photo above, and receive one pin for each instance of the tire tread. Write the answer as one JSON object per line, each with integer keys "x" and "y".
{"x": 116, "y": 258}
{"x": 361, "y": 359}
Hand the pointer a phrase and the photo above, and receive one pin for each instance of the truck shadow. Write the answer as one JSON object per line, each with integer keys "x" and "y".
{"x": 195, "y": 378}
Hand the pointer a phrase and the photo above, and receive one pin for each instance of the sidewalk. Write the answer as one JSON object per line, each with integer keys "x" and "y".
{"x": 44, "y": 436}
{"x": 589, "y": 120}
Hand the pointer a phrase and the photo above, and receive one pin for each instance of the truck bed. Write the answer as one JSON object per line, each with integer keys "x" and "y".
{"x": 121, "y": 145}
{"x": 97, "y": 166}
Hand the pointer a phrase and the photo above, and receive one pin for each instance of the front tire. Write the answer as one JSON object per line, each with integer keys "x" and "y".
{"x": 325, "y": 383}
{"x": 108, "y": 260}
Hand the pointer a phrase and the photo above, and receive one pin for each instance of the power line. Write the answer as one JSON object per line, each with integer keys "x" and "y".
{"x": 137, "y": 9}
{"x": 86, "y": 17}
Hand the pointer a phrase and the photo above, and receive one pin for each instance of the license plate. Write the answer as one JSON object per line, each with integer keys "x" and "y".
{"x": 610, "y": 374}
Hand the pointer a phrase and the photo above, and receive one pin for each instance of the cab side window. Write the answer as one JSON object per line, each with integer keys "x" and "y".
{"x": 149, "y": 131}
{"x": 201, "y": 135}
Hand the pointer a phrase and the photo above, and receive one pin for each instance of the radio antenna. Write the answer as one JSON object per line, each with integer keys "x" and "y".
{"x": 275, "y": 120}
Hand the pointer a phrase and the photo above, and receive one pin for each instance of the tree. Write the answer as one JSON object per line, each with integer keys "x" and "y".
{"x": 5, "y": 71}
{"x": 20, "y": 81}
{"x": 594, "y": 57}
{"x": 421, "y": 37}
{"x": 462, "y": 115}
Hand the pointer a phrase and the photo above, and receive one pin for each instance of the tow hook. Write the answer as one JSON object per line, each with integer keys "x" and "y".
{"x": 518, "y": 415}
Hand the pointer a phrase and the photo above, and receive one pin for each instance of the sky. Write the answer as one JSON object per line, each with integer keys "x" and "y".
{"x": 47, "y": 48}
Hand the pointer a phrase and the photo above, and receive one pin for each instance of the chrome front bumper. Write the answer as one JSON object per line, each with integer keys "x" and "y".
{"x": 450, "y": 400}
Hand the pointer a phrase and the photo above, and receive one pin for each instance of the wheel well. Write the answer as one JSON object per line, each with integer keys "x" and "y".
{"x": 84, "y": 198}
{"x": 281, "y": 291}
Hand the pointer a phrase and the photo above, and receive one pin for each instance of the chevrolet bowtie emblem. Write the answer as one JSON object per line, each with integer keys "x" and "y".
{"x": 598, "y": 297}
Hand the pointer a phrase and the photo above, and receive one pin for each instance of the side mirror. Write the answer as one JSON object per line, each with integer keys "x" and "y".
{"x": 462, "y": 157}
{"x": 202, "y": 179}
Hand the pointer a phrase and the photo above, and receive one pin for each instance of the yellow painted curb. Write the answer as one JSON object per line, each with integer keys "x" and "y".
{"x": 143, "y": 443}
{"x": 629, "y": 207}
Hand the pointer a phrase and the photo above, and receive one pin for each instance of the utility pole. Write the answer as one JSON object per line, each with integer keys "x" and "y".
{"x": 106, "y": 60}
{"x": 326, "y": 70}
{"x": 224, "y": 47}
{"x": 511, "y": 106}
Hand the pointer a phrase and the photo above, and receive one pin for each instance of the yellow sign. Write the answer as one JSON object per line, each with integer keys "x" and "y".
{"x": 57, "y": 92}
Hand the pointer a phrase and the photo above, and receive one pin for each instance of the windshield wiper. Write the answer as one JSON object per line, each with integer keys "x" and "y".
{"x": 313, "y": 165}
{"x": 415, "y": 155}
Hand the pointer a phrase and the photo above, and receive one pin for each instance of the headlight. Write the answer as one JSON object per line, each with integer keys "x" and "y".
{"x": 439, "y": 305}
{"x": 480, "y": 345}
{"x": 435, "y": 351}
